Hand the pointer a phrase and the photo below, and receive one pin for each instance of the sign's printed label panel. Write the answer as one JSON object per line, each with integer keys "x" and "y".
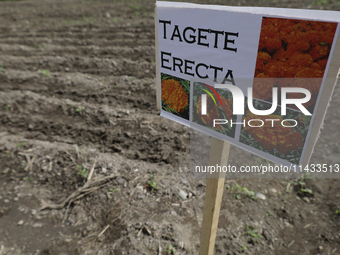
{"x": 278, "y": 66}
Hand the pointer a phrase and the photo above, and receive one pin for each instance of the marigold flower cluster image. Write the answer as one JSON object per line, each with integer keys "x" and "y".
{"x": 291, "y": 48}
{"x": 291, "y": 53}
{"x": 267, "y": 133}
{"x": 175, "y": 95}
{"x": 284, "y": 139}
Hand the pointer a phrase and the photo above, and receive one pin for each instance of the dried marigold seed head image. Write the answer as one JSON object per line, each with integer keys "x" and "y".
{"x": 212, "y": 111}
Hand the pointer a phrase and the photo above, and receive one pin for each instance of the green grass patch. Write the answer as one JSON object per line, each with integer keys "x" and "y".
{"x": 20, "y": 145}
{"x": 82, "y": 171}
{"x": 252, "y": 232}
{"x": 114, "y": 190}
{"x": 45, "y": 72}
{"x": 239, "y": 190}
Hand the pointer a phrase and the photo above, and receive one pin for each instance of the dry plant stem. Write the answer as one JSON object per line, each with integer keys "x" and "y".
{"x": 134, "y": 189}
{"x": 70, "y": 156}
{"x": 147, "y": 229}
{"x": 28, "y": 162}
{"x": 101, "y": 233}
{"x": 290, "y": 244}
{"x": 308, "y": 225}
{"x": 159, "y": 247}
{"x": 89, "y": 187}
{"x": 68, "y": 208}
{"x": 31, "y": 163}
{"x": 92, "y": 170}
{"x": 140, "y": 231}
{"x": 77, "y": 151}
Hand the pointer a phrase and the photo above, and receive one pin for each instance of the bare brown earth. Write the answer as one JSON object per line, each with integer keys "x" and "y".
{"x": 77, "y": 93}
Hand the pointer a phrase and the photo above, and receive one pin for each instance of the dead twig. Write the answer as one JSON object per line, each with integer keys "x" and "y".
{"x": 77, "y": 151}
{"x": 291, "y": 243}
{"x": 28, "y": 159}
{"x": 134, "y": 189}
{"x": 308, "y": 225}
{"x": 147, "y": 229}
{"x": 92, "y": 170}
{"x": 70, "y": 157}
{"x": 140, "y": 231}
{"x": 159, "y": 247}
{"x": 68, "y": 208}
{"x": 89, "y": 187}
{"x": 31, "y": 163}
{"x": 101, "y": 233}
{"x": 50, "y": 166}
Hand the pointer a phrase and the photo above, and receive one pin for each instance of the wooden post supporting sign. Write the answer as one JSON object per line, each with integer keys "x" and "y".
{"x": 219, "y": 153}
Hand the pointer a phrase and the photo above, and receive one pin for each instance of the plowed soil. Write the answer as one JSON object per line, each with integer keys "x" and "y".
{"x": 77, "y": 98}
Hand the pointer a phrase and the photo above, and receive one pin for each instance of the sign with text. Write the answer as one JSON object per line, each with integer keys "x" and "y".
{"x": 260, "y": 78}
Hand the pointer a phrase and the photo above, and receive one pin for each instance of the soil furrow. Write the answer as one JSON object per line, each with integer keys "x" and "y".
{"x": 108, "y": 129}
{"x": 135, "y": 53}
{"x": 125, "y": 91}
{"x": 126, "y": 33}
{"x": 96, "y": 66}
{"x": 110, "y": 40}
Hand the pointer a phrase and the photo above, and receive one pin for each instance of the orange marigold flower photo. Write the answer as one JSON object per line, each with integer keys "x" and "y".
{"x": 291, "y": 48}
{"x": 175, "y": 98}
{"x": 284, "y": 139}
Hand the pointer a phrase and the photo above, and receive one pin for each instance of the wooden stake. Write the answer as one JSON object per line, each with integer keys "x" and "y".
{"x": 219, "y": 153}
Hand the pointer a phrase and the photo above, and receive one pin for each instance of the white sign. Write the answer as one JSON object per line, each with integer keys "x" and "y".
{"x": 260, "y": 78}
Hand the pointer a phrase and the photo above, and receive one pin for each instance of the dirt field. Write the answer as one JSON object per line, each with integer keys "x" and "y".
{"x": 77, "y": 94}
